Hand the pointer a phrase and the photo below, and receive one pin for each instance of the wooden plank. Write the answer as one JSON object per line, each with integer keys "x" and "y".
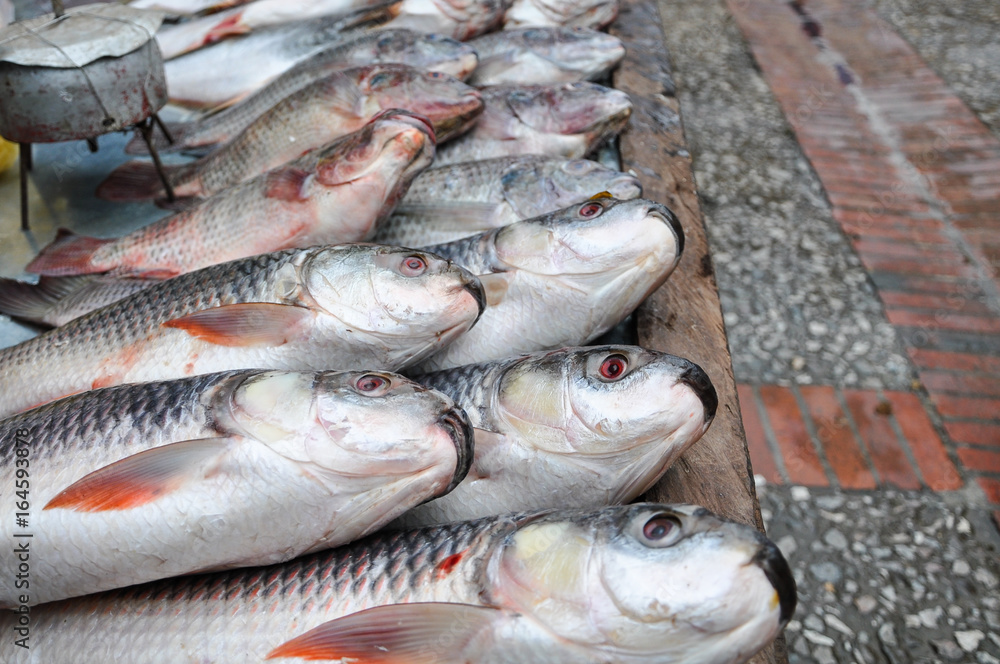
{"x": 684, "y": 317}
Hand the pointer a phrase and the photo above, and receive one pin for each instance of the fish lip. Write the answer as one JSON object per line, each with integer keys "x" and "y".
{"x": 458, "y": 124}
{"x": 475, "y": 288}
{"x": 699, "y": 382}
{"x": 663, "y": 213}
{"x": 456, "y": 422}
{"x": 776, "y": 569}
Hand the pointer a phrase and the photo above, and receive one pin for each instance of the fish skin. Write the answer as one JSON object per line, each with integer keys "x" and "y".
{"x": 290, "y": 318}
{"x": 554, "y": 433}
{"x": 345, "y": 461}
{"x": 185, "y": 7}
{"x": 327, "y": 109}
{"x": 175, "y": 40}
{"x": 239, "y": 65}
{"x": 544, "y": 56}
{"x": 54, "y": 301}
{"x": 422, "y": 51}
{"x": 449, "y": 202}
{"x": 561, "y": 279}
{"x": 572, "y": 13}
{"x": 595, "y": 589}
{"x": 332, "y": 195}
{"x": 461, "y": 19}
{"x": 568, "y": 120}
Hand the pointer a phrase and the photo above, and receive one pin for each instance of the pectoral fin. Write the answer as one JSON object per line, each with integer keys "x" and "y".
{"x": 428, "y": 633}
{"x": 495, "y": 285}
{"x": 141, "y": 478}
{"x": 250, "y": 324}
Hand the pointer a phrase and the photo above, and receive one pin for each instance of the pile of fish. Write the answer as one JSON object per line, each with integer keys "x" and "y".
{"x": 342, "y": 403}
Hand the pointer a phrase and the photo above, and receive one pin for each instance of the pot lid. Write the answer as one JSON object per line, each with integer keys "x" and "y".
{"x": 78, "y": 37}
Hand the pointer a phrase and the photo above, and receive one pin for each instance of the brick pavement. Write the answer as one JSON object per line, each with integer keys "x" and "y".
{"x": 913, "y": 178}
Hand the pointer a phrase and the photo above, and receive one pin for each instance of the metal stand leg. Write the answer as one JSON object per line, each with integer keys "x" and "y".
{"x": 146, "y": 130}
{"x": 25, "y": 166}
{"x": 163, "y": 128}
{"x": 92, "y": 143}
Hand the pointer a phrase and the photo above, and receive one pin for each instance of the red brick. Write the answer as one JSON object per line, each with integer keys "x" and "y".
{"x": 835, "y": 435}
{"x": 893, "y": 233}
{"x": 971, "y": 384}
{"x": 991, "y": 488}
{"x": 967, "y": 407}
{"x": 938, "y": 359}
{"x": 865, "y": 219}
{"x": 943, "y": 320}
{"x": 883, "y": 446}
{"x": 974, "y": 433}
{"x": 917, "y": 267}
{"x": 800, "y": 457}
{"x": 956, "y": 303}
{"x": 760, "y": 454}
{"x": 967, "y": 288}
{"x": 869, "y": 245}
{"x": 983, "y": 461}
{"x": 938, "y": 471}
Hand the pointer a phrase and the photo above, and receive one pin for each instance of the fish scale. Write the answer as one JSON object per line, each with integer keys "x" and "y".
{"x": 470, "y": 385}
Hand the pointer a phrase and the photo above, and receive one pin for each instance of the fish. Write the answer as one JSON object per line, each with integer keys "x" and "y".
{"x": 457, "y": 200}
{"x": 574, "y": 13}
{"x": 429, "y": 52}
{"x": 185, "y": 7}
{"x": 54, "y": 301}
{"x": 349, "y": 307}
{"x": 175, "y": 40}
{"x": 332, "y": 195}
{"x": 561, "y": 279}
{"x": 568, "y": 120}
{"x": 544, "y": 56}
{"x": 327, "y": 109}
{"x": 575, "y": 427}
{"x": 219, "y": 75}
{"x": 637, "y": 583}
{"x": 461, "y": 19}
{"x": 135, "y": 483}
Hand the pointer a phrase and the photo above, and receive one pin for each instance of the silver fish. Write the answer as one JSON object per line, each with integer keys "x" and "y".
{"x": 421, "y": 51}
{"x": 562, "y": 279}
{"x": 633, "y": 584}
{"x": 461, "y": 19}
{"x": 142, "y": 482}
{"x": 579, "y": 13}
{"x": 570, "y": 428}
{"x": 544, "y": 56}
{"x": 457, "y": 200}
{"x": 347, "y": 306}
{"x": 568, "y": 120}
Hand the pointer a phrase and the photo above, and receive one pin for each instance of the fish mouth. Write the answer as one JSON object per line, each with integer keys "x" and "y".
{"x": 699, "y": 382}
{"x": 475, "y": 288}
{"x": 460, "y": 122}
{"x": 662, "y": 213}
{"x": 776, "y": 569}
{"x": 457, "y": 424}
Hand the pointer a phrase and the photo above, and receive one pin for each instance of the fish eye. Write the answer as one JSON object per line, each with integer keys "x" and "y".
{"x": 370, "y": 383}
{"x": 578, "y": 166}
{"x": 590, "y": 210}
{"x": 413, "y": 266}
{"x": 613, "y": 367}
{"x": 385, "y": 42}
{"x": 381, "y": 80}
{"x": 662, "y": 530}
{"x": 435, "y": 74}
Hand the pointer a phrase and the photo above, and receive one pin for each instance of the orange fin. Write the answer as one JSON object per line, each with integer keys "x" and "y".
{"x": 286, "y": 184}
{"x": 251, "y": 324}
{"x": 428, "y": 633}
{"x": 134, "y": 181}
{"x": 68, "y": 254}
{"x": 228, "y": 27}
{"x": 139, "y": 479}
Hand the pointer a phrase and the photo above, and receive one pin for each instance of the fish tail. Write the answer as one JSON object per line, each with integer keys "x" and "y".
{"x": 68, "y": 254}
{"x": 160, "y": 142}
{"x": 133, "y": 181}
{"x": 35, "y": 303}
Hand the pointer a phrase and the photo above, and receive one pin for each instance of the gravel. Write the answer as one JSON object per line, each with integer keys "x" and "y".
{"x": 895, "y": 578}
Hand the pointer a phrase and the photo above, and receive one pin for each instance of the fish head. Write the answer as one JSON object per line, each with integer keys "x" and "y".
{"x": 389, "y": 293}
{"x": 623, "y": 411}
{"x": 601, "y": 243}
{"x": 572, "y": 49}
{"x": 647, "y": 582}
{"x": 534, "y": 189}
{"x": 447, "y": 102}
{"x": 461, "y": 19}
{"x": 394, "y": 140}
{"x": 367, "y": 426}
{"x": 585, "y": 13}
{"x": 582, "y": 108}
{"x": 432, "y": 52}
